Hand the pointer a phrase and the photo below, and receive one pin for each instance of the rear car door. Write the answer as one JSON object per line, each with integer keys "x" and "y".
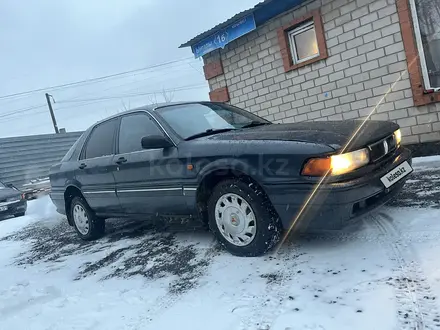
{"x": 96, "y": 167}
{"x": 147, "y": 181}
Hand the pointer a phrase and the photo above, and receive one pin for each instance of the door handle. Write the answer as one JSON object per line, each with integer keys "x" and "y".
{"x": 82, "y": 166}
{"x": 121, "y": 160}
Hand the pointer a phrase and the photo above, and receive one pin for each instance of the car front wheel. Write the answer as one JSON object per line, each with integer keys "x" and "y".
{"x": 242, "y": 218}
{"x": 86, "y": 223}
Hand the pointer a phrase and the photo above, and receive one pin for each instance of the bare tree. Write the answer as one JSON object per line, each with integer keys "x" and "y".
{"x": 166, "y": 95}
{"x": 153, "y": 99}
{"x": 124, "y": 107}
{"x": 123, "y": 104}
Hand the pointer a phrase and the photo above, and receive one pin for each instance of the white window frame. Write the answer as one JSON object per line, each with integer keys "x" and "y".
{"x": 419, "y": 42}
{"x": 291, "y": 34}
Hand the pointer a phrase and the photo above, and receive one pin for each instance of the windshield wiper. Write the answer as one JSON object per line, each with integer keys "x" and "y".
{"x": 208, "y": 132}
{"x": 255, "y": 123}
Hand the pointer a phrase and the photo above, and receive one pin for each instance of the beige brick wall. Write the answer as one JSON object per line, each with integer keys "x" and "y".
{"x": 366, "y": 56}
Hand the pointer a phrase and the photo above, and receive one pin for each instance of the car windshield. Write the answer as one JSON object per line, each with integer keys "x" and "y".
{"x": 191, "y": 119}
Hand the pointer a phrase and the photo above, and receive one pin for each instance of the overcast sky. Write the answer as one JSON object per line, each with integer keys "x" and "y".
{"x": 52, "y": 42}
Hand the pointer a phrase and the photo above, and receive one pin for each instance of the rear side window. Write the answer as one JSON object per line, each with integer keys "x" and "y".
{"x": 133, "y": 129}
{"x": 69, "y": 154}
{"x": 75, "y": 150}
{"x": 101, "y": 140}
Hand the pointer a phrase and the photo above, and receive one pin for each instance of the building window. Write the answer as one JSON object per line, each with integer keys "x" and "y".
{"x": 419, "y": 23}
{"x": 302, "y": 42}
{"x": 426, "y": 22}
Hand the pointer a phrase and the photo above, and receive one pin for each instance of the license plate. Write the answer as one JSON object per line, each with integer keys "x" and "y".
{"x": 3, "y": 208}
{"x": 396, "y": 174}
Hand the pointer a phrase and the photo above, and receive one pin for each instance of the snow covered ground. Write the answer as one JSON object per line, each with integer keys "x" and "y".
{"x": 381, "y": 272}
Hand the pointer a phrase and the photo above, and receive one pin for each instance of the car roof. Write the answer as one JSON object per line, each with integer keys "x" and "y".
{"x": 149, "y": 108}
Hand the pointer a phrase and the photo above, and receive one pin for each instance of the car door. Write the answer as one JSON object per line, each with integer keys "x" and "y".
{"x": 96, "y": 167}
{"x": 147, "y": 181}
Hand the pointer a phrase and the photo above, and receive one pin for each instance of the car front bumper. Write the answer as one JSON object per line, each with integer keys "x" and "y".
{"x": 13, "y": 208}
{"x": 335, "y": 203}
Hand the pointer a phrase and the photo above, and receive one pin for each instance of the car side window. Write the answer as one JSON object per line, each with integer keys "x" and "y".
{"x": 101, "y": 141}
{"x": 133, "y": 128}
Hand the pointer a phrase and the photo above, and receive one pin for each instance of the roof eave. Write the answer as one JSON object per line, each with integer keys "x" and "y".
{"x": 263, "y": 11}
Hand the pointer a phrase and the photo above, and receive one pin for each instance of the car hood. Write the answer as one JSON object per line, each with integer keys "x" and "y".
{"x": 8, "y": 193}
{"x": 331, "y": 133}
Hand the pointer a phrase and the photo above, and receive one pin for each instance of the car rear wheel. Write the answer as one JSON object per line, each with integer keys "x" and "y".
{"x": 86, "y": 223}
{"x": 242, "y": 218}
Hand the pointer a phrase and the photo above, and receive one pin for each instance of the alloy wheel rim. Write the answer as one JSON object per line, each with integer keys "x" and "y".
{"x": 235, "y": 219}
{"x": 81, "y": 219}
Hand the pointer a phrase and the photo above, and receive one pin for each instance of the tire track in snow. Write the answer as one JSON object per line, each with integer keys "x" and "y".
{"x": 17, "y": 299}
{"x": 275, "y": 299}
{"x": 415, "y": 301}
{"x": 163, "y": 303}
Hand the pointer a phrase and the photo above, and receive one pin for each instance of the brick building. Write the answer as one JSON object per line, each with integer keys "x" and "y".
{"x": 296, "y": 60}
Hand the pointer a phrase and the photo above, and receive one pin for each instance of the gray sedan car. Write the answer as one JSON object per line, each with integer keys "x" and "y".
{"x": 12, "y": 201}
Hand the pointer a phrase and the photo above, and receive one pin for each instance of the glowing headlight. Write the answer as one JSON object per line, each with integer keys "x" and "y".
{"x": 337, "y": 164}
{"x": 398, "y": 136}
{"x": 351, "y": 161}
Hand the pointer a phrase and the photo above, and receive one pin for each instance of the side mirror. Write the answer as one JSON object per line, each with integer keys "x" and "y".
{"x": 155, "y": 142}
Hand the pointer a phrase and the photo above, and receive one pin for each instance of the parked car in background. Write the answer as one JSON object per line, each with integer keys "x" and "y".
{"x": 244, "y": 176}
{"x": 36, "y": 188}
{"x": 12, "y": 201}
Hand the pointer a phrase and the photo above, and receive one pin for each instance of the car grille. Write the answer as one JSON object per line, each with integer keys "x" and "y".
{"x": 382, "y": 148}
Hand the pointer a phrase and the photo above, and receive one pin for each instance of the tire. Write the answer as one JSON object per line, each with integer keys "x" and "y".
{"x": 265, "y": 227}
{"x": 95, "y": 227}
{"x": 19, "y": 214}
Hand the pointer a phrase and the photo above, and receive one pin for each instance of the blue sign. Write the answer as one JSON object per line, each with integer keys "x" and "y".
{"x": 225, "y": 36}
